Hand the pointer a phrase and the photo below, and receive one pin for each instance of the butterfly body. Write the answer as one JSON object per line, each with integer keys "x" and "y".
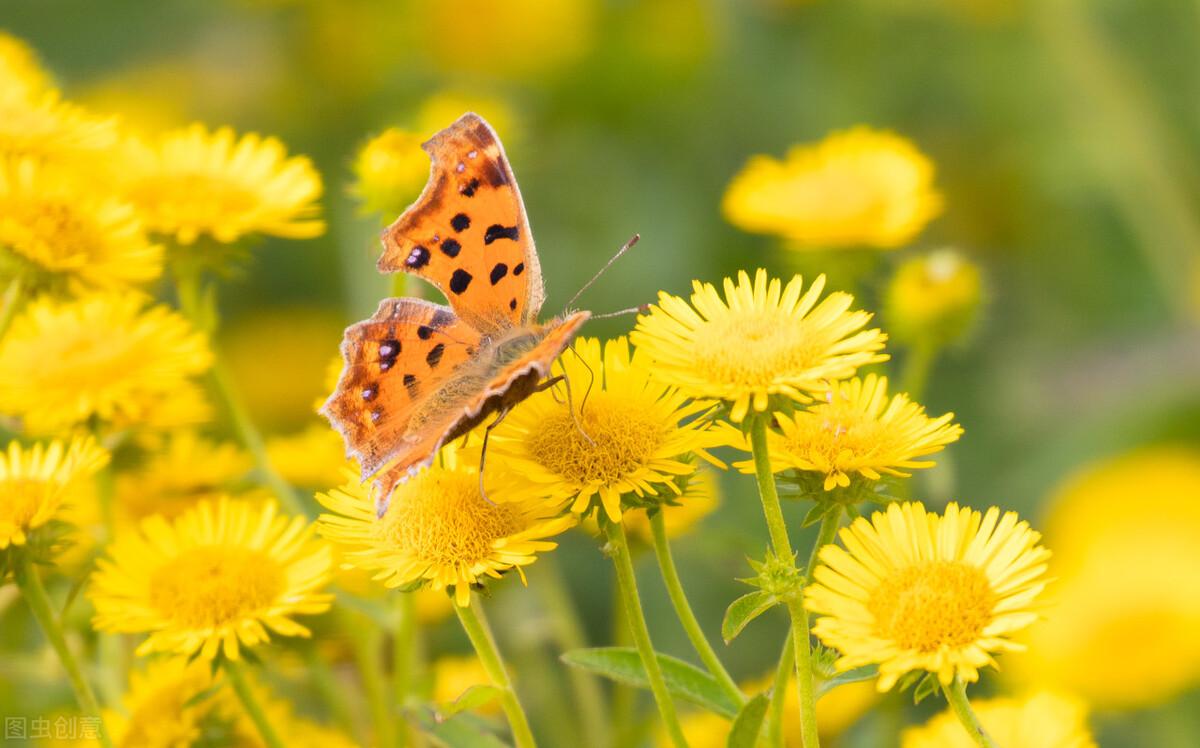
{"x": 418, "y": 374}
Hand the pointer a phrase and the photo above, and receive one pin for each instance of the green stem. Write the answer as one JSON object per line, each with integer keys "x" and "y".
{"x": 367, "y": 642}
{"x": 404, "y": 645}
{"x": 254, "y": 710}
{"x": 480, "y": 633}
{"x": 10, "y": 303}
{"x": 956, "y": 694}
{"x": 683, "y": 610}
{"x": 568, "y": 629}
{"x": 627, "y": 583}
{"x": 30, "y": 584}
{"x": 783, "y": 672}
{"x": 624, "y": 698}
{"x": 918, "y": 363}
{"x": 330, "y": 691}
{"x": 783, "y": 549}
{"x": 191, "y": 303}
{"x": 829, "y": 527}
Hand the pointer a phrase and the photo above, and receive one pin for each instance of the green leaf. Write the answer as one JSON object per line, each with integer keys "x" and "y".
{"x": 461, "y": 731}
{"x": 748, "y": 723}
{"x": 684, "y": 680}
{"x": 472, "y": 698}
{"x": 744, "y": 610}
{"x": 819, "y": 510}
{"x": 928, "y": 686}
{"x": 856, "y": 675}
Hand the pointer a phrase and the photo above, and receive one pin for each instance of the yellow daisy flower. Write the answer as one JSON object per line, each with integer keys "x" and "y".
{"x": 43, "y": 127}
{"x": 933, "y": 298}
{"x": 913, "y": 590}
{"x": 763, "y": 339}
{"x": 439, "y": 530}
{"x": 214, "y": 580}
{"x": 165, "y": 706}
{"x": 35, "y": 482}
{"x": 20, "y": 69}
{"x": 184, "y": 471}
{"x": 60, "y": 229}
{"x": 624, "y": 436}
{"x": 856, "y": 430}
{"x": 192, "y": 182}
{"x": 102, "y": 357}
{"x": 1041, "y": 720}
{"x": 389, "y": 171}
{"x": 858, "y": 187}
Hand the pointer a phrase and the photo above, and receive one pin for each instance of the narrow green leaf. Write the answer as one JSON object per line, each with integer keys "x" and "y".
{"x": 684, "y": 680}
{"x": 472, "y": 698}
{"x": 748, "y": 723}
{"x": 927, "y": 687}
{"x": 744, "y": 610}
{"x": 815, "y": 514}
{"x": 856, "y": 675}
{"x": 460, "y": 731}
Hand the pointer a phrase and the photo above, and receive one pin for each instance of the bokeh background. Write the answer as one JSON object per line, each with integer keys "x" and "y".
{"x": 1065, "y": 137}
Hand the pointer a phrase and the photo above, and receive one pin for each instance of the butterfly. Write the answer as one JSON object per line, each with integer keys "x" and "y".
{"x": 419, "y": 374}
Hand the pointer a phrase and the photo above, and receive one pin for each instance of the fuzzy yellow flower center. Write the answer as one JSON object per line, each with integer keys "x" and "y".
{"x": 441, "y": 518}
{"x": 214, "y": 585}
{"x": 931, "y": 605}
{"x": 755, "y": 348}
{"x": 20, "y": 499}
{"x": 617, "y": 438}
{"x": 52, "y": 234}
{"x": 839, "y": 438}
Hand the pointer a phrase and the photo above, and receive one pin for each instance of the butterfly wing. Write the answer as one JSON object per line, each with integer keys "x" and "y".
{"x": 468, "y": 234}
{"x": 394, "y": 362}
{"x": 491, "y": 390}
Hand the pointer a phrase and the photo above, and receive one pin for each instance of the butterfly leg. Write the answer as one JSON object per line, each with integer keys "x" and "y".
{"x": 487, "y": 431}
{"x": 575, "y": 415}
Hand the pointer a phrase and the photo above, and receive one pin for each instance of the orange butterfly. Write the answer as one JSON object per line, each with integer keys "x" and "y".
{"x": 418, "y": 374}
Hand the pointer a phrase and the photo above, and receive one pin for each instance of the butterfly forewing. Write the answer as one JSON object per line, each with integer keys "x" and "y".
{"x": 468, "y": 233}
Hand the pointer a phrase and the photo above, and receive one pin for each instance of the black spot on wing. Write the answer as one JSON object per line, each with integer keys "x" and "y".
{"x": 451, "y": 248}
{"x": 512, "y": 304}
{"x": 461, "y": 222}
{"x": 434, "y": 357}
{"x": 468, "y": 189}
{"x": 520, "y": 268}
{"x": 441, "y": 318}
{"x": 498, "y": 272}
{"x": 417, "y": 258}
{"x": 410, "y": 382}
{"x": 460, "y": 280}
{"x": 496, "y": 231}
{"x": 424, "y": 331}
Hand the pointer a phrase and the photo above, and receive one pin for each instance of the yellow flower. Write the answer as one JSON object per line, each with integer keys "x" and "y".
{"x": 1041, "y": 720}
{"x": 20, "y": 70}
{"x": 700, "y": 498}
{"x": 165, "y": 706}
{"x": 856, "y": 430}
{"x": 64, "y": 230}
{"x": 43, "y": 127}
{"x": 763, "y": 339}
{"x": 933, "y": 298}
{"x": 858, "y": 187}
{"x": 619, "y": 434}
{"x": 35, "y": 482}
{"x": 186, "y": 470}
{"x": 444, "y": 107}
{"x": 213, "y": 581}
{"x": 191, "y": 183}
{"x": 913, "y": 590}
{"x": 454, "y": 676}
{"x": 1126, "y": 537}
{"x": 100, "y": 357}
{"x": 439, "y": 530}
{"x": 313, "y": 457}
{"x": 389, "y": 171}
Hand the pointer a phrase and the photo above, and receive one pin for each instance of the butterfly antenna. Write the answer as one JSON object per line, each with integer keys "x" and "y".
{"x": 591, "y": 382}
{"x": 639, "y": 309}
{"x": 483, "y": 452}
{"x": 624, "y": 248}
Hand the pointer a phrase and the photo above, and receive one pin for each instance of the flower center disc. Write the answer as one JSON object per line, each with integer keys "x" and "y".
{"x": 622, "y": 439}
{"x": 931, "y": 605}
{"x": 213, "y": 585}
{"x": 754, "y": 348}
{"x": 22, "y": 498}
{"x": 441, "y": 518}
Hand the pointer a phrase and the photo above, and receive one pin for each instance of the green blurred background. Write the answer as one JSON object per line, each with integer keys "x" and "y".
{"x": 1065, "y": 135}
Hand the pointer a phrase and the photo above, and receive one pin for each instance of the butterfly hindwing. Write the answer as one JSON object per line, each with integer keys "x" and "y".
{"x": 393, "y": 363}
{"x": 468, "y": 233}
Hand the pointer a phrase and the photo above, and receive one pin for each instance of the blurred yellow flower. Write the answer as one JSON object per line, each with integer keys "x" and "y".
{"x": 1041, "y": 720}
{"x": 763, "y": 339}
{"x": 59, "y": 230}
{"x": 214, "y": 580}
{"x": 102, "y": 357}
{"x": 184, "y": 471}
{"x": 314, "y": 457}
{"x": 20, "y": 70}
{"x": 165, "y": 706}
{"x": 389, "y": 171}
{"x": 454, "y": 675}
{"x": 618, "y": 434}
{"x": 856, "y": 430}
{"x": 43, "y": 127}
{"x": 515, "y": 39}
{"x": 701, "y": 497}
{"x": 293, "y": 731}
{"x": 857, "y": 187}
{"x": 191, "y": 182}
{"x": 35, "y": 483}
{"x": 913, "y": 590}
{"x": 438, "y": 529}
{"x": 1126, "y": 538}
{"x": 933, "y": 299}
{"x": 442, "y": 108}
